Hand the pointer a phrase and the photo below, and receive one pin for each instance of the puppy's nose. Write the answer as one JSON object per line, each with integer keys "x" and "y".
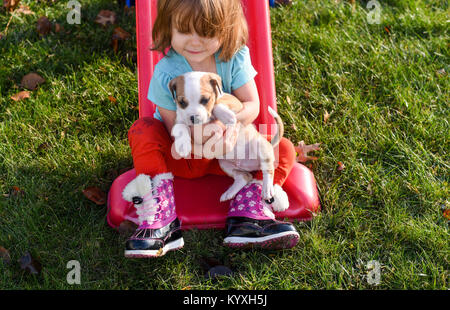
{"x": 195, "y": 119}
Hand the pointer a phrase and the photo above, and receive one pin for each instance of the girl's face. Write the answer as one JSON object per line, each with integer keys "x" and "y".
{"x": 194, "y": 48}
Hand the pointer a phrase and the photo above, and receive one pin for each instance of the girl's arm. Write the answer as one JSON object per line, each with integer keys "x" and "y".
{"x": 168, "y": 118}
{"x": 248, "y": 95}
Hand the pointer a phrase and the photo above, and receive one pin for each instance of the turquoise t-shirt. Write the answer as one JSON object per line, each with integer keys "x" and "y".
{"x": 234, "y": 73}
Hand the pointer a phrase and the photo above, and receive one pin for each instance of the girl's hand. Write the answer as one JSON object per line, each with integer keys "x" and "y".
{"x": 221, "y": 143}
{"x": 202, "y": 133}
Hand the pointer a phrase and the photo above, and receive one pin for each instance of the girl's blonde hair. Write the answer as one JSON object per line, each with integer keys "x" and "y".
{"x": 222, "y": 19}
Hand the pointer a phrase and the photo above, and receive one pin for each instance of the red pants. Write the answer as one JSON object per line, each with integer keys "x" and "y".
{"x": 151, "y": 150}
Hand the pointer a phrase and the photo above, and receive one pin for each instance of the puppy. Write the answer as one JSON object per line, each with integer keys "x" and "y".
{"x": 200, "y": 99}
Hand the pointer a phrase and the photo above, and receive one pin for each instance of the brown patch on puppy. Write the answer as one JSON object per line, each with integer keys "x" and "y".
{"x": 215, "y": 82}
{"x": 176, "y": 87}
{"x": 231, "y": 102}
{"x": 210, "y": 88}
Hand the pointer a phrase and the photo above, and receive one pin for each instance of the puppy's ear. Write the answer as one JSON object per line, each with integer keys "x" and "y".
{"x": 173, "y": 87}
{"x": 216, "y": 83}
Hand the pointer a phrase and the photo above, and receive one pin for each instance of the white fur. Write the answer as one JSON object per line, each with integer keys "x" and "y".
{"x": 281, "y": 200}
{"x": 224, "y": 114}
{"x": 268, "y": 190}
{"x": 182, "y": 137}
{"x": 241, "y": 179}
{"x": 138, "y": 187}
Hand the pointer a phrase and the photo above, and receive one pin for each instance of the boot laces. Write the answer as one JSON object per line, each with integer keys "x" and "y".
{"x": 148, "y": 210}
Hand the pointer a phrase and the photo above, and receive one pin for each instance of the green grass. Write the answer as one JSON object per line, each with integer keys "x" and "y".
{"x": 389, "y": 126}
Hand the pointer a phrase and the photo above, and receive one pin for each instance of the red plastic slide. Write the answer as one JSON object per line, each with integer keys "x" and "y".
{"x": 197, "y": 200}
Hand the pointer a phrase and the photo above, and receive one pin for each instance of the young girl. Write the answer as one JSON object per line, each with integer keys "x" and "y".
{"x": 209, "y": 36}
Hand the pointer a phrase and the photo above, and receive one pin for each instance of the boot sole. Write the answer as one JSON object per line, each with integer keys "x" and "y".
{"x": 172, "y": 246}
{"x": 284, "y": 240}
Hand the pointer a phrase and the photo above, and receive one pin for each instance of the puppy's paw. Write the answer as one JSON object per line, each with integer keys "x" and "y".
{"x": 281, "y": 200}
{"x": 226, "y": 116}
{"x": 268, "y": 191}
{"x": 183, "y": 147}
{"x": 229, "y": 119}
{"x": 227, "y": 196}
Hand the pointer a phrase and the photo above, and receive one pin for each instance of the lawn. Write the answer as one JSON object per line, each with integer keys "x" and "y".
{"x": 375, "y": 95}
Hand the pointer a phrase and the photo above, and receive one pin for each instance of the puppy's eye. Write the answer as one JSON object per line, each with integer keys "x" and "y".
{"x": 204, "y": 101}
{"x": 183, "y": 103}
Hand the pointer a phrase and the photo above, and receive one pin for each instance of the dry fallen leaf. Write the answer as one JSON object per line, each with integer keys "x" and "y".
{"x": 213, "y": 268}
{"x": 119, "y": 34}
{"x": 30, "y": 264}
{"x": 43, "y": 147}
{"x": 58, "y": 28}
{"x": 326, "y": 116}
{"x": 105, "y": 17}
{"x": 10, "y": 5}
{"x": 95, "y": 195}
{"x": 126, "y": 228}
{"x": 16, "y": 191}
{"x": 446, "y": 214}
{"x": 441, "y": 72}
{"x": 43, "y": 26}
{"x": 31, "y": 81}
{"x": 21, "y": 95}
{"x": 4, "y": 255}
{"x": 353, "y": 3}
{"x": 24, "y": 9}
{"x": 219, "y": 271}
{"x": 303, "y": 149}
{"x": 288, "y": 100}
{"x": 112, "y": 99}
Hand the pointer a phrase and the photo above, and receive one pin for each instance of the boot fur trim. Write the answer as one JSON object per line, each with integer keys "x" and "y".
{"x": 138, "y": 187}
{"x": 281, "y": 200}
{"x": 160, "y": 177}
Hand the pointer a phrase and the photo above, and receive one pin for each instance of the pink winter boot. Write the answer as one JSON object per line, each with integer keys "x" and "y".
{"x": 159, "y": 228}
{"x": 251, "y": 223}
